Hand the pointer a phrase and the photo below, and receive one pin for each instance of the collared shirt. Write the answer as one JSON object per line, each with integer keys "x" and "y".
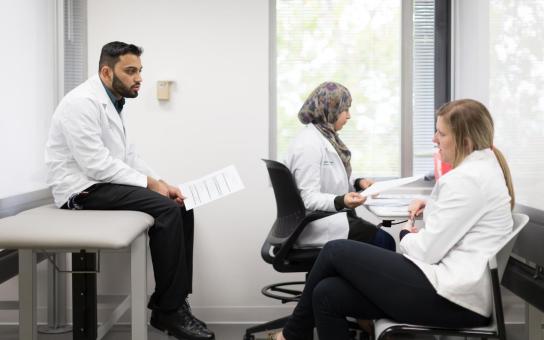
{"x": 117, "y": 103}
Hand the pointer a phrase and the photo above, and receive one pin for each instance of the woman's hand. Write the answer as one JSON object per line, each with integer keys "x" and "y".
{"x": 410, "y": 228}
{"x": 410, "y": 225}
{"x": 365, "y": 183}
{"x": 277, "y": 336}
{"x": 353, "y": 200}
{"x": 416, "y": 208}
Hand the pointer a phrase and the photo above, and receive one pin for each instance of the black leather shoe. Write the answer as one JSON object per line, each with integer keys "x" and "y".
{"x": 187, "y": 308}
{"x": 181, "y": 325}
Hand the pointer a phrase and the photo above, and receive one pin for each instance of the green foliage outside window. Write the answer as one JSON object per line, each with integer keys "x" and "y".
{"x": 353, "y": 42}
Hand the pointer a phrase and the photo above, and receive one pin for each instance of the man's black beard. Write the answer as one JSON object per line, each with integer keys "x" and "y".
{"x": 121, "y": 89}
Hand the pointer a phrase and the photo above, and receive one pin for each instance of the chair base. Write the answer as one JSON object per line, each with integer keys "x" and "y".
{"x": 282, "y": 291}
{"x": 46, "y": 329}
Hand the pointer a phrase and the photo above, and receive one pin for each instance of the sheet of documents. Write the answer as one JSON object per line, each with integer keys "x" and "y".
{"x": 382, "y": 186}
{"x": 388, "y": 202}
{"x": 393, "y": 200}
{"x": 211, "y": 187}
{"x": 401, "y": 211}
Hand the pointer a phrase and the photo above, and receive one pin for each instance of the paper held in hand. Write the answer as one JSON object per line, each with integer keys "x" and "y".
{"x": 382, "y": 186}
{"x": 211, "y": 187}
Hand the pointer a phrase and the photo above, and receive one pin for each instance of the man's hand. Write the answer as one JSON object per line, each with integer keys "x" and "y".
{"x": 174, "y": 193}
{"x": 353, "y": 200}
{"x": 157, "y": 186}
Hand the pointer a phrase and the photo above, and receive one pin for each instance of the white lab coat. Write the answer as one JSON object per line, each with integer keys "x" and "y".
{"x": 466, "y": 217}
{"x": 320, "y": 176}
{"x": 88, "y": 144}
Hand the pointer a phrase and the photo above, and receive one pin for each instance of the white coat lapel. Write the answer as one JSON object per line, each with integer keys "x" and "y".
{"x": 107, "y": 105}
{"x": 113, "y": 115}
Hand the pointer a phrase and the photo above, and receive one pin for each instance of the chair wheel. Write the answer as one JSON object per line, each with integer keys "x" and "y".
{"x": 249, "y": 337}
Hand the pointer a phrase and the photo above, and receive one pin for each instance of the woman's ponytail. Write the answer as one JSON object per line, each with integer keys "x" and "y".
{"x": 507, "y": 175}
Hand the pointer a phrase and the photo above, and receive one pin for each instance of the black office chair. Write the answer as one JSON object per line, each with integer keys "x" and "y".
{"x": 278, "y": 248}
{"x": 385, "y": 328}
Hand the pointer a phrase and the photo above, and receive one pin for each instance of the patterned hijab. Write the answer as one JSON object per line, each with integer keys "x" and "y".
{"x": 322, "y": 109}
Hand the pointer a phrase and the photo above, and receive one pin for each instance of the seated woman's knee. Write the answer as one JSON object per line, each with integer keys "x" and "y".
{"x": 333, "y": 245}
{"x": 323, "y": 295}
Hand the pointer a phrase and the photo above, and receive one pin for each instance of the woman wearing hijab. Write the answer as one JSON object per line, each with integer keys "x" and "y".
{"x": 320, "y": 164}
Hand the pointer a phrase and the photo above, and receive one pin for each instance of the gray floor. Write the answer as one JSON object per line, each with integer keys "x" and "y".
{"x": 514, "y": 316}
{"x": 222, "y": 332}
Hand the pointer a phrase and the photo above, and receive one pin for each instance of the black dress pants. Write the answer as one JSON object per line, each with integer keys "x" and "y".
{"x": 364, "y": 231}
{"x": 170, "y": 238}
{"x": 359, "y": 280}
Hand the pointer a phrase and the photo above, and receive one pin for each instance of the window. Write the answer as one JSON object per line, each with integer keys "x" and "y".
{"x": 423, "y": 86}
{"x": 75, "y": 43}
{"x": 499, "y": 61}
{"x": 516, "y": 101}
{"x": 356, "y": 43}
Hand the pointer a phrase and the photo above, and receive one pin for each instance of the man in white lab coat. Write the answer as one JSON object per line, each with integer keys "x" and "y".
{"x": 91, "y": 165}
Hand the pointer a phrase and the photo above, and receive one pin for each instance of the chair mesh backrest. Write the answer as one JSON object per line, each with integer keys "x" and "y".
{"x": 289, "y": 204}
{"x": 503, "y": 254}
{"x": 499, "y": 261}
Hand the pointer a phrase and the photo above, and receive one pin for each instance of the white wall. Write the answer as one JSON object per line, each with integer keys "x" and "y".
{"x": 217, "y": 54}
{"x": 508, "y": 84}
{"x": 27, "y": 92}
{"x": 28, "y": 97}
{"x": 471, "y": 50}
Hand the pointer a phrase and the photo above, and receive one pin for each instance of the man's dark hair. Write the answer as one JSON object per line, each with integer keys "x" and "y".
{"x": 112, "y": 51}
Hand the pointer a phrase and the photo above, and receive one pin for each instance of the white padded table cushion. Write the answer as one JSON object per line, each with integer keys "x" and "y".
{"x": 50, "y": 227}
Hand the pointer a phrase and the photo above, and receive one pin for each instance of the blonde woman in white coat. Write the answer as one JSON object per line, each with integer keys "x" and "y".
{"x": 439, "y": 278}
{"x": 320, "y": 164}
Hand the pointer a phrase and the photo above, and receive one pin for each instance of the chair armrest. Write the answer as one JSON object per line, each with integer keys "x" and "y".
{"x": 310, "y": 217}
